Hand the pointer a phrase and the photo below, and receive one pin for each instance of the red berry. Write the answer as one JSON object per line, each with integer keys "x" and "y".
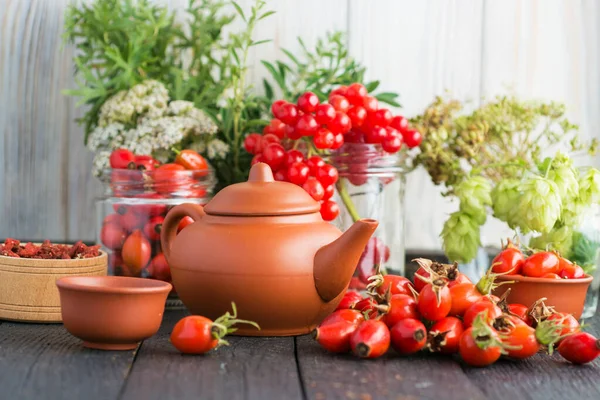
{"x": 306, "y": 125}
{"x": 256, "y": 159}
{"x": 325, "y": 113}
{"x": 340, "y": 103}
{"x": 298, "y": 173}
{"x": 377, "y": 134}
{"x": 400, "y": 307}
{"x": 324, "y": 139}
{"x": 370, "y": 104}
{"x": 349, "y": 300}
{"x": 314, "y": 163}
{"x": 185, "y": 221}
{"x": 341, "y": 91}
{"x": 408, "y": 336}
{"x": 357, "y": 116}
{"x": 412, "y": 138}
{"x": 354, "y": 136}
{"x": 356, "y": 93}
{"x": 327, "y": 175}
{"x": 338, "y": 141}
{"x": 292, "y": 133}
{"x": 293, "y": 156}
{"x": 329, "y": 210}
{"x": 273, "y": 154}
{"x": 287, "y": 113}
{"x": 329, "y": 190}
{"x": 121, "y": 158}
{"x": 392, "y": 144}
{"x": 399, "y": 123}
{"x": 275, "y": 127}
{"x": 281, "y": 175}
{"x": 381, "y": 117}
{"x": 314, "y": 188}
{"x": 265, "y": 141}
{"x": 435, "y": 301}
{"x": 276, "y": 107}
{"x": 252, "y": 143}
{"x": 308, "y": 102}
{"x": 340, "y": 124}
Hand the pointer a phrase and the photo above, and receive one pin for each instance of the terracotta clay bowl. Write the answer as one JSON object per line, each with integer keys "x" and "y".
{"x": 565, "y": 295}
{"x": 112, "y": 312}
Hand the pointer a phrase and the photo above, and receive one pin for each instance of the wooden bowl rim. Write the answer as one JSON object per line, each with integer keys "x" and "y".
{"x": 529, "y": 279}
{"x": 113, "y": 285}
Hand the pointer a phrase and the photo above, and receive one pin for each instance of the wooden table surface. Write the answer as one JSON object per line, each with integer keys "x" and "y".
{"x": 45, "y": 362}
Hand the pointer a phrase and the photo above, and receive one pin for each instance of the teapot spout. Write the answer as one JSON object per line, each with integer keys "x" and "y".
{"x": 335, "y": 263}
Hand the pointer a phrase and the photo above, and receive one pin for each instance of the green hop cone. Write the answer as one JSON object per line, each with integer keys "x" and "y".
{"x": 566, "y": 180}
{"x": 572, "y": 213}
{"x": 475, "y": 194}
{"x": 539, "y": 205}
{"x": 560, "y": 239}
{"x": 460, "y": 237}
{"x": 504, "y": 197}
{"x": 589, "y": 187}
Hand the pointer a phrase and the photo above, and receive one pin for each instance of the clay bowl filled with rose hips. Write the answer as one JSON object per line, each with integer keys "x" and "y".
{"x": 543, "y": 274}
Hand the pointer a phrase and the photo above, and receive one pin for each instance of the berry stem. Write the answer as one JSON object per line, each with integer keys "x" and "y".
{"x": 341, "y": 187}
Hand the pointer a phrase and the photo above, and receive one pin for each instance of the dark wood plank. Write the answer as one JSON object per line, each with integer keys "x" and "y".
{"x": 250, "y": 368}
{"x": 541, "y": 377}
{"x": 44, "y": 361}
{"x": 334, "y": 376}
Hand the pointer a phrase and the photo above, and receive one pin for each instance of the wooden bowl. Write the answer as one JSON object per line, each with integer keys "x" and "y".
{"x": 112, "y": 312}
{"x": 565, "y": 295}
{"x": 28, "y": 291}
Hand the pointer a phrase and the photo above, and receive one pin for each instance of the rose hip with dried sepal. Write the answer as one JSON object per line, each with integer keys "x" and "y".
{"x": 371, "y": 339}
{"x": 349, "y": 300}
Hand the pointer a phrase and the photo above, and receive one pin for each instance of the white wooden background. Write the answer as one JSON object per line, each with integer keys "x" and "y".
{"x": 419, "y": 48}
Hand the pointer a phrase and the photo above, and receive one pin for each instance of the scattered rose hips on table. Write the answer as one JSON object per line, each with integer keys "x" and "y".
{"x": 413, "y": 316}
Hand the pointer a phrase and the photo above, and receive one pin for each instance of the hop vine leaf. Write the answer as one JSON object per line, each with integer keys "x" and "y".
{"x": 539, "y": 205}
{"x": 461, "y": 237}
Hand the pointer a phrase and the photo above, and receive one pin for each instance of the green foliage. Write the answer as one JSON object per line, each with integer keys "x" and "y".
{"x": 585, "y": 252}
{"x": 319, "y": 71}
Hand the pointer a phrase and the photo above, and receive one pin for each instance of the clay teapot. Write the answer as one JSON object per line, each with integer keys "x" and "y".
{"x": 263, "y": 245}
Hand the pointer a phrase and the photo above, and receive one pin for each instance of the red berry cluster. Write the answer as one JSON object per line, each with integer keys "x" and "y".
{"x": 47, "y": 250}
{"x": 350, "y": 115}
{"x": 442, "y": 311}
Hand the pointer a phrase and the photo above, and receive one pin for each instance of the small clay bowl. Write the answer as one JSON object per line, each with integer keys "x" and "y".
{"x": 565, "y": 295}
{"x": 112, "y": 312}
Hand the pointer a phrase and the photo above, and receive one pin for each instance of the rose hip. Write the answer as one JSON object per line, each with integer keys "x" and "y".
{"x": 408, "y": 336}
{"x": 371, "y": 339}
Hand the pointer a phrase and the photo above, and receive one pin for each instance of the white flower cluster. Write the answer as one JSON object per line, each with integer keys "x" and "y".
{"x": 142, "y": 120}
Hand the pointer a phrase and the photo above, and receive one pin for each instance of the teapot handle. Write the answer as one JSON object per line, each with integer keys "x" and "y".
{"x": 168, "y": 231}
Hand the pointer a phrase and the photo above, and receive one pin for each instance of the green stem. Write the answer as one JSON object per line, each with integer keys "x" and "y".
{"x": 341, "y": 187}
{"x": 477, "y": 170}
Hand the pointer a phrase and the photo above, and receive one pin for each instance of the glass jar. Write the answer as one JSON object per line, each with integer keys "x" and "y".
{"x": 585, "y": 251}
{"x": 371, "y": 185}
{"x": 130, "y": 214}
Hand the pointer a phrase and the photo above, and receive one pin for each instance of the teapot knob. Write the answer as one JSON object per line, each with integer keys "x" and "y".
{"x": 261, "y": 172}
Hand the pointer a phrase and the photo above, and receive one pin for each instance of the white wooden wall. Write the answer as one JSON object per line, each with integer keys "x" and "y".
{"x": 419, "y": 48}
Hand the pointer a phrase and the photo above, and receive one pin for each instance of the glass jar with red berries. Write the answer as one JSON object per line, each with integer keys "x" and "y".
{"x": 371, "y": 185}
{"x": 132, "y": 208}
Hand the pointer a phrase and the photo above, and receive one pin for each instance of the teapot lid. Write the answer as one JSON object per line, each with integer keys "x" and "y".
{"x": 262, "y": 195}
